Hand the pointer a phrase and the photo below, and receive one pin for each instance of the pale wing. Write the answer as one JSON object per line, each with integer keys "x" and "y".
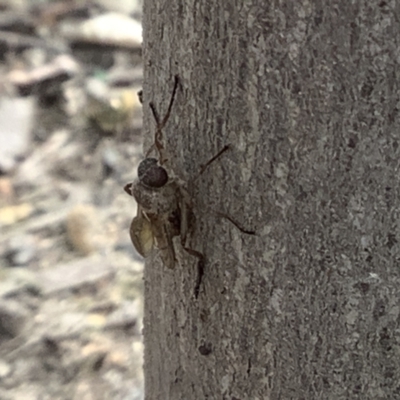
{"x": 142, "y": 234}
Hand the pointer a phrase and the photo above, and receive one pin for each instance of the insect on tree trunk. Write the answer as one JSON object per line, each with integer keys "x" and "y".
{"x": 307, "y": 96}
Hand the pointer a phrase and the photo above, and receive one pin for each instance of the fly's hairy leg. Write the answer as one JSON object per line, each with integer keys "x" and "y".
{"x": 199, "y": 265}
{"x": 221, "y": 214}
{"x": 186, "y": 226}
{"x": 209, "y": 162}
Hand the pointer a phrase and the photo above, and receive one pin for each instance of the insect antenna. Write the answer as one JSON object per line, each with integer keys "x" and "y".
{"x": 161, "y": 123}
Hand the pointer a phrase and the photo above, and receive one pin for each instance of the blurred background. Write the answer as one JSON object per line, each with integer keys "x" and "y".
{"x": 70, "y": 139}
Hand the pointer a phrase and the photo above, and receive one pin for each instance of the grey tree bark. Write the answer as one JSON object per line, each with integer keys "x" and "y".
{"x": 307, "y": 94}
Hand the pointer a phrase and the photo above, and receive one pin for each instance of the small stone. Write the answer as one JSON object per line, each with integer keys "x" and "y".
{"x": 5, "y": 369}
{"x": 12, "y": 319}
{"x": 21, "y": 250}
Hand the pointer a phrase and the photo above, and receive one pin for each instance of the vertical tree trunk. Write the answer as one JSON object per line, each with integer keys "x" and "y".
{"x": 307, "y": 94}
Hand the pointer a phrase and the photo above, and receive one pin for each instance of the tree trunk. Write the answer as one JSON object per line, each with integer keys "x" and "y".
{"x": 307, "y": 94}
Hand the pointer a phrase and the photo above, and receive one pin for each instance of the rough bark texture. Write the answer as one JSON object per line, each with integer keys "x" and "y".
{"x": 307, "y": 93}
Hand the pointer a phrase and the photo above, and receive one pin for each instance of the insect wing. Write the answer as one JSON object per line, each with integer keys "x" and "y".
{"x": 141, "y": 233}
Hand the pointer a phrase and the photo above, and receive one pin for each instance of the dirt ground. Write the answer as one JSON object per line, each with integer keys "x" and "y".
{"x": 70, "y": 138}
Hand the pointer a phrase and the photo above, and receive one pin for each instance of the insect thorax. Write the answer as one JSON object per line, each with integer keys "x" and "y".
{"x": 156, "y": 200}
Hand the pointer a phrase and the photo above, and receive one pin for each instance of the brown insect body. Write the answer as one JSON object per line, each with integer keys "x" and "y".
{"x": 163, "y": 213}
{"x": 164, "y": 204}
{"x": 163, "y": 200}
{"x": 161, "y": 208}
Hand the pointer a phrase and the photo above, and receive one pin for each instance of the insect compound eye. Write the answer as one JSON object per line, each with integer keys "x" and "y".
{"x": 151, "y": 174}
{"x": 144, "y": 165}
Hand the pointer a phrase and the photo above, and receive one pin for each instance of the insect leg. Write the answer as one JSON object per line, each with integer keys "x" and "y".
{"x": 209, "y": 162}
{"x": 234, "y": 222}
{"x": 186, "y": 218}
{"x": 200, "y": 266}
{"x": 220, "y": 214}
